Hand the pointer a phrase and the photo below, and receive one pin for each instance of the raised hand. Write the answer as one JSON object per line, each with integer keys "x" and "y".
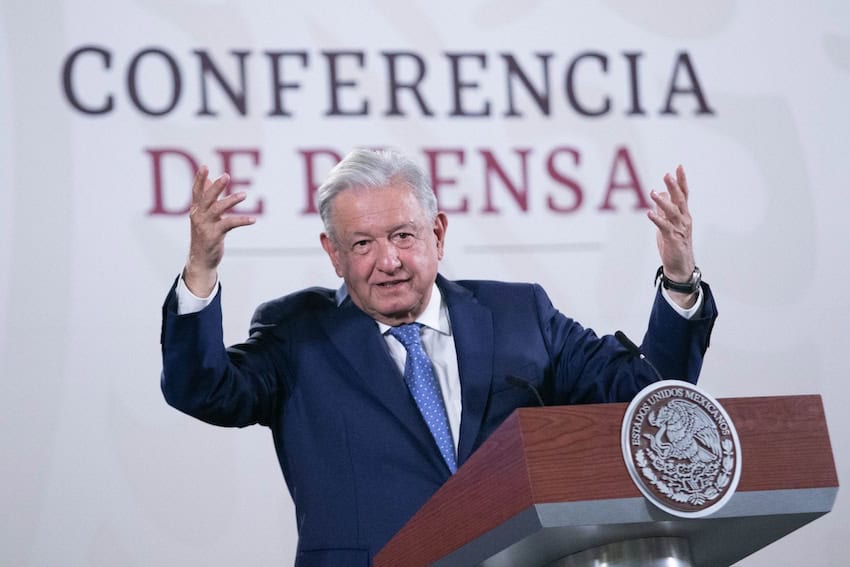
{"x": 209, "y": 224}
{"x": 675, "y": 228}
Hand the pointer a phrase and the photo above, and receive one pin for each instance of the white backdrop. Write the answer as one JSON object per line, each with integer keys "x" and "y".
{"x": 97, "y": 470}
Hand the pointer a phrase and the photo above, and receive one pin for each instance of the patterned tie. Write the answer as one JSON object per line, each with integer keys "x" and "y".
{"x": 420, "y": 379}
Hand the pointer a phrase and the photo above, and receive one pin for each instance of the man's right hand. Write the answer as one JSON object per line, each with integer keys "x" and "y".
{"x": 209, "y": 223}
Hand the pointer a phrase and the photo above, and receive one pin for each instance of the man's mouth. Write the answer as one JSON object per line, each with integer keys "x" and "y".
{"x": 391, "y": 284}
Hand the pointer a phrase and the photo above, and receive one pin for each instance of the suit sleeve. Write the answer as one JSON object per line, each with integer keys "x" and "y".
{"x": 675, "y": 345}
{"x": 239, "y": 386}
{"x": 587, "y": 368}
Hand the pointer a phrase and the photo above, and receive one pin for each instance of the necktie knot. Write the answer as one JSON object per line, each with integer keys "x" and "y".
{"x": 407, "y": 334}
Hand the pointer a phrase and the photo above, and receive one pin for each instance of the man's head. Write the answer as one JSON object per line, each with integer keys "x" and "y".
{"x": 383, "y": 233}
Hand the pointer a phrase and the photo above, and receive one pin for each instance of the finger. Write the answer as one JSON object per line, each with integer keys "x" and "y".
{"x": 213, "y": 190}
{"x": 673, "y": 189}
{"x": 664, "y": 206}
{"x": 658, "y": 219}
{"x": 683, "y": 181}
{"x": 682, "y": 186}
{"x": 678, "y": 193}
{"x": 225, "y": 204}
{"x": 668, "y": 218}
{"x": 230, "y": 222}
{"x": 199, "y": 184}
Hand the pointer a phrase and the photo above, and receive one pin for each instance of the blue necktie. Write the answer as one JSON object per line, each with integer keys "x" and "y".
{"x": 420, "y": 379}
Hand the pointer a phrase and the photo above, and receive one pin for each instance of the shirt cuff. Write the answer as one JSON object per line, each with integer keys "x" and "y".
{"x": 188, "y": 302}
{"x": 688, "y": 313}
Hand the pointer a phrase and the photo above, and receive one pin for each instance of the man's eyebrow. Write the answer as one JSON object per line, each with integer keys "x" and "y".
{"x": 407, "y": 224}
{"x": 356, "y": 235}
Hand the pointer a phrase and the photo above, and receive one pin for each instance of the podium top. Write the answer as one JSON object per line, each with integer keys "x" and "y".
{"x": 559, "y": 472}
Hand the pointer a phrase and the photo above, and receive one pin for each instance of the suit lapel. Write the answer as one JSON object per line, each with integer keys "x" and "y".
{"x": 355, "y": 335}
{"x": 472, "y": 329}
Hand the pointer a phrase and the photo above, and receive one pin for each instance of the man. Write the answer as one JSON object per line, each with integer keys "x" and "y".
{"x": 370, "y": 414}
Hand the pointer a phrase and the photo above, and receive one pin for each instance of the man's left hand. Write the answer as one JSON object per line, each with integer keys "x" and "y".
{"x": 675, "y": 228}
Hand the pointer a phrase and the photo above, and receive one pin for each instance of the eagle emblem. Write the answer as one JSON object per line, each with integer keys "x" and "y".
{"x": 690, "y": 434}
{"x": 681, "y": 448}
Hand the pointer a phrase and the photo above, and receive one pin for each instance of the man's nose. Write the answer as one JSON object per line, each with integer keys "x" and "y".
{"x": 388, "y": 258}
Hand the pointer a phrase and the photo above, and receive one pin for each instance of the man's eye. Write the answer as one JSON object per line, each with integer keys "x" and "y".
{"x": 403, "y": 239}
{"x": 361, "y": 246}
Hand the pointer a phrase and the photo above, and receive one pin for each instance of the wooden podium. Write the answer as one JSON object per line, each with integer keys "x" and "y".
{"x": 551, "y": 482}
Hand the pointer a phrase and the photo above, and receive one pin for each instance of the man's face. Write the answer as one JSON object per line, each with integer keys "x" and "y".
{"x": 386, "y": 250}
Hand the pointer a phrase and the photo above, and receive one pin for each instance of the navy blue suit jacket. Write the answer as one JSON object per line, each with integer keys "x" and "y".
{"x": 356, "y": 454}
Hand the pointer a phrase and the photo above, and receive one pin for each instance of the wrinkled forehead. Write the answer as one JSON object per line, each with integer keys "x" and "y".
{"x": 355, "y": 208}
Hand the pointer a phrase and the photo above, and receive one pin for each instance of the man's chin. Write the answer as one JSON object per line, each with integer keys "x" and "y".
{"x": 396, "y": 313}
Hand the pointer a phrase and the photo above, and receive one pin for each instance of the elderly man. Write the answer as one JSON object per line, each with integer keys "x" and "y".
{"x": 378, "y": 391}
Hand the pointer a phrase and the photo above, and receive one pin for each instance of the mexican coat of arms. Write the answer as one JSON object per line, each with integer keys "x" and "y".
{"x": 681, "y": 449}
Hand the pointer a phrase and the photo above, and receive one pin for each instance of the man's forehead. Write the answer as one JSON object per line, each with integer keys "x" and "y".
{"x": 388, "y": 206}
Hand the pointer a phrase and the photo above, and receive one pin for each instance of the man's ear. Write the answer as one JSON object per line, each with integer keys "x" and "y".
{"x": 441, "y": 223}
{"x": 331, "y": 249}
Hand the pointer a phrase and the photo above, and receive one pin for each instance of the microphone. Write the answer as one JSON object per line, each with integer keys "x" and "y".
{"x": 633, "y": 349}
{"x": 516, "y": 381}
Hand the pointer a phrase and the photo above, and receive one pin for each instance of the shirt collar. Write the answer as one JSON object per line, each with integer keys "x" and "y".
{"x": 435, "y": 316}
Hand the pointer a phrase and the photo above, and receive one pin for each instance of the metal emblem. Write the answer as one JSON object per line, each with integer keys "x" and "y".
{"x": 681, "y": 449}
